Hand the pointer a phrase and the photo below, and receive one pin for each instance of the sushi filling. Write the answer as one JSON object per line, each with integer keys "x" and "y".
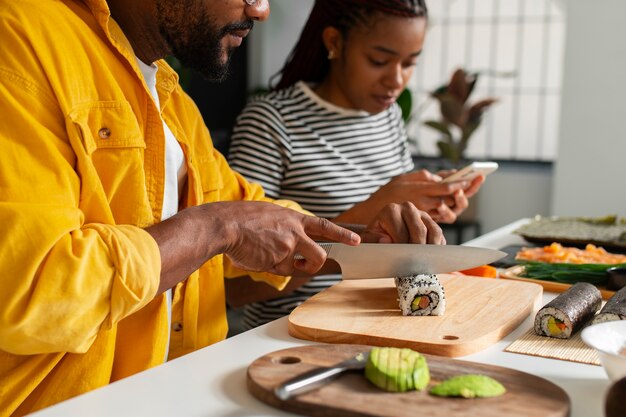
{"x": 553, "y": 323}
{"x": 421, "y": 302}
{"x": 556, "y": 326}
{"x": 424, "y": 304}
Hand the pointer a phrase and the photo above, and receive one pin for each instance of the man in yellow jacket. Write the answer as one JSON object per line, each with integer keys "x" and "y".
{"x": 119, "y": 219}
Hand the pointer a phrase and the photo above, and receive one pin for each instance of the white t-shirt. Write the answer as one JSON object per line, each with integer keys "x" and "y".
{"x": 175, "y": 167}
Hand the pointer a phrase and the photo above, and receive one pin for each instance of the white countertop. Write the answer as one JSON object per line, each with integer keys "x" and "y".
{"x": 212, "y": 381}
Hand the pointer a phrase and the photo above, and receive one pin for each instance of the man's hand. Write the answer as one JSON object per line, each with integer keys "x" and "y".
{"x": 267, "y": 237}
{"x": 256, "y": 236}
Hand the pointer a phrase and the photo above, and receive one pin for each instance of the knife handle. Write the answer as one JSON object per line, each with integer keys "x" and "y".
{"x": 308, "y": 381}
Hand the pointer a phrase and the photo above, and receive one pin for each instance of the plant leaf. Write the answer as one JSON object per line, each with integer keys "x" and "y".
{"x": 471, "y": 79}
{"x": 467, "y": 132}
{"x": 439, "y": 90}
{"x": 449, "y": 150}
{"x": 439, "y": 126}
{"x": 405, "y": 101}
{"x": 451, "y": 109}
{"x": 458, "y": 86}
{"x": 477, "y": 109}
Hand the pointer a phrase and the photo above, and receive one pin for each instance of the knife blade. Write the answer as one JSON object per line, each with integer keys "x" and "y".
{"x": 388, "y": 260}
{"x": 317, "y": 377}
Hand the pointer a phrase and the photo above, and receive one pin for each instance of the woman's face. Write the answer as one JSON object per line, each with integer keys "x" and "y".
{"x": 374, "y": 64}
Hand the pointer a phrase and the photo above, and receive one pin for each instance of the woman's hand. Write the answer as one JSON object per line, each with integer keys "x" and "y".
{"x": 403, "y": 223}
{"x": 443, "y": 201}
{"x": 473, "y": 186}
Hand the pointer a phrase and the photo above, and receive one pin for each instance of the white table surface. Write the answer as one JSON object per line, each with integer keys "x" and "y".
{"x": 212, "y": 381}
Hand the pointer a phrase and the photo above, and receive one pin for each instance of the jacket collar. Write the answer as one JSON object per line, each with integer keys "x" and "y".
{"x": 167, "y": 78}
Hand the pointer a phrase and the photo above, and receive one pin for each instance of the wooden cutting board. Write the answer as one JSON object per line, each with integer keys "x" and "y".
{"x": 479, "y": 312}
{"x": 515, "y": 272}
{"x": 352, "y": 395}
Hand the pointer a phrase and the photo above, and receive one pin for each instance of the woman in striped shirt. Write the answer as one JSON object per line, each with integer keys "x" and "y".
{"x": 330, "y": 134}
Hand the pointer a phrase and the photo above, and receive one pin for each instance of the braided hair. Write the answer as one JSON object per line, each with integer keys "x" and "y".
{"x": 307, "y": 61}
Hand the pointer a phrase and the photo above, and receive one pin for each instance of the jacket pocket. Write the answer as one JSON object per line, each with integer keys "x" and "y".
{"x": 210, "y": 175}
{"x": 106, "y": 125}
{"x": 111, "y": 162}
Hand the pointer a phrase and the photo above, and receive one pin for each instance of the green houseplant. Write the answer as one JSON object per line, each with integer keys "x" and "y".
{"x": 459, "y": 119}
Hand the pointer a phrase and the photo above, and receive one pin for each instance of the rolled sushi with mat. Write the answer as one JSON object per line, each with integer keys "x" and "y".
{"x": 420, "y": 295}
{"x": 568, "y": 312}
{"x": 614, "y": 309}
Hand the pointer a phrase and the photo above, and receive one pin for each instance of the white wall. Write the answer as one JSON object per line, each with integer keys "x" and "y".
{"x": 271, "y": 41}
{"x": 589, "y": 176}
{"x": 513, "y": 192}
{"x": 590, "y": 173}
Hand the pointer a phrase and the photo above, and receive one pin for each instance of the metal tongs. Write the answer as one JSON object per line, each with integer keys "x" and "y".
{"x": 317, "y": 377}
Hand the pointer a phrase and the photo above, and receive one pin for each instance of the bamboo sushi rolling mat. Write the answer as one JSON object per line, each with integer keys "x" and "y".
{"x": 573, "y": 349}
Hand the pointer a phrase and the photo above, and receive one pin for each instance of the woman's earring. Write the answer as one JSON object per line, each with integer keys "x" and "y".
{"x": 331, "y": 54}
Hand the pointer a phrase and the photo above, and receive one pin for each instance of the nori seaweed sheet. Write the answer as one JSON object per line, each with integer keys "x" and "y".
{"x": 579, "y": 303}
{"x": 608, "y": 232}
{"x": 616, "y": 304}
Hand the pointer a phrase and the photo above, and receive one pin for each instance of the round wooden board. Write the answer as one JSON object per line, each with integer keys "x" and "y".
{"x": 352, "y": 395}
{"x": 515, "y": 272}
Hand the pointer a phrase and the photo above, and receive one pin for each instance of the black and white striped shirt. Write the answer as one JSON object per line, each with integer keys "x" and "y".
{"x": 326, "y": 158}
{"x": 302, "y": 148}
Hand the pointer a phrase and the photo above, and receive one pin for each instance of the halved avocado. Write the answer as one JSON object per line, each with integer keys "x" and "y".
{"x": 469, "y": 386}
{"x": 421, "y": 373}
{"x": 397, "y": 369}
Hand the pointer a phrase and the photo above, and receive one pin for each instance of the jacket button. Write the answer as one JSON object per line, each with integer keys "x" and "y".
{"x": 104, "y": 133}
{"x": 177, "y": 326}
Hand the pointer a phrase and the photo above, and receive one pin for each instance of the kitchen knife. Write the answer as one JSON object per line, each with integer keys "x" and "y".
{"x": 319, "y": 376}
{"x": 388, "y": 260}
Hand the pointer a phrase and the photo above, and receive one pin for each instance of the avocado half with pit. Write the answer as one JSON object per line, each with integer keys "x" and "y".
{"x": 397, "y": 369}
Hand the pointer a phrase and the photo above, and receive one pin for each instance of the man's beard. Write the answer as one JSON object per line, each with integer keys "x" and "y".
{"x": 196, "y": 42}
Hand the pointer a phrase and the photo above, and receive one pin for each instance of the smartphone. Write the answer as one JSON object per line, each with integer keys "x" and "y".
{"x": 471, "y": 171}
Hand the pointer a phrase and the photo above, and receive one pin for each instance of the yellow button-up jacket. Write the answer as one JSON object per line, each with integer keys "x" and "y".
{"x": 81, "y": 173}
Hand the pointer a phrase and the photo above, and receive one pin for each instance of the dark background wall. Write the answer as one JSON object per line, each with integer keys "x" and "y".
{"x": 220, "y": 103}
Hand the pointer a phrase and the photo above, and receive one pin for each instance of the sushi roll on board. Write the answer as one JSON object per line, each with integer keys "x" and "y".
{"x": 421, "y": 295}
{"x": 614, "y": 309}
{"x": 568, "y": 312}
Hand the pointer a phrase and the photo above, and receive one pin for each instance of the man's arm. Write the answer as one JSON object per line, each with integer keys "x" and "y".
{"x": 51, "y": 243}
{"x": 256, "y": 236}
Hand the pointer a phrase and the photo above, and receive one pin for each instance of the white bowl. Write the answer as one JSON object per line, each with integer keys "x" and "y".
{"x": 609, "y": 339}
